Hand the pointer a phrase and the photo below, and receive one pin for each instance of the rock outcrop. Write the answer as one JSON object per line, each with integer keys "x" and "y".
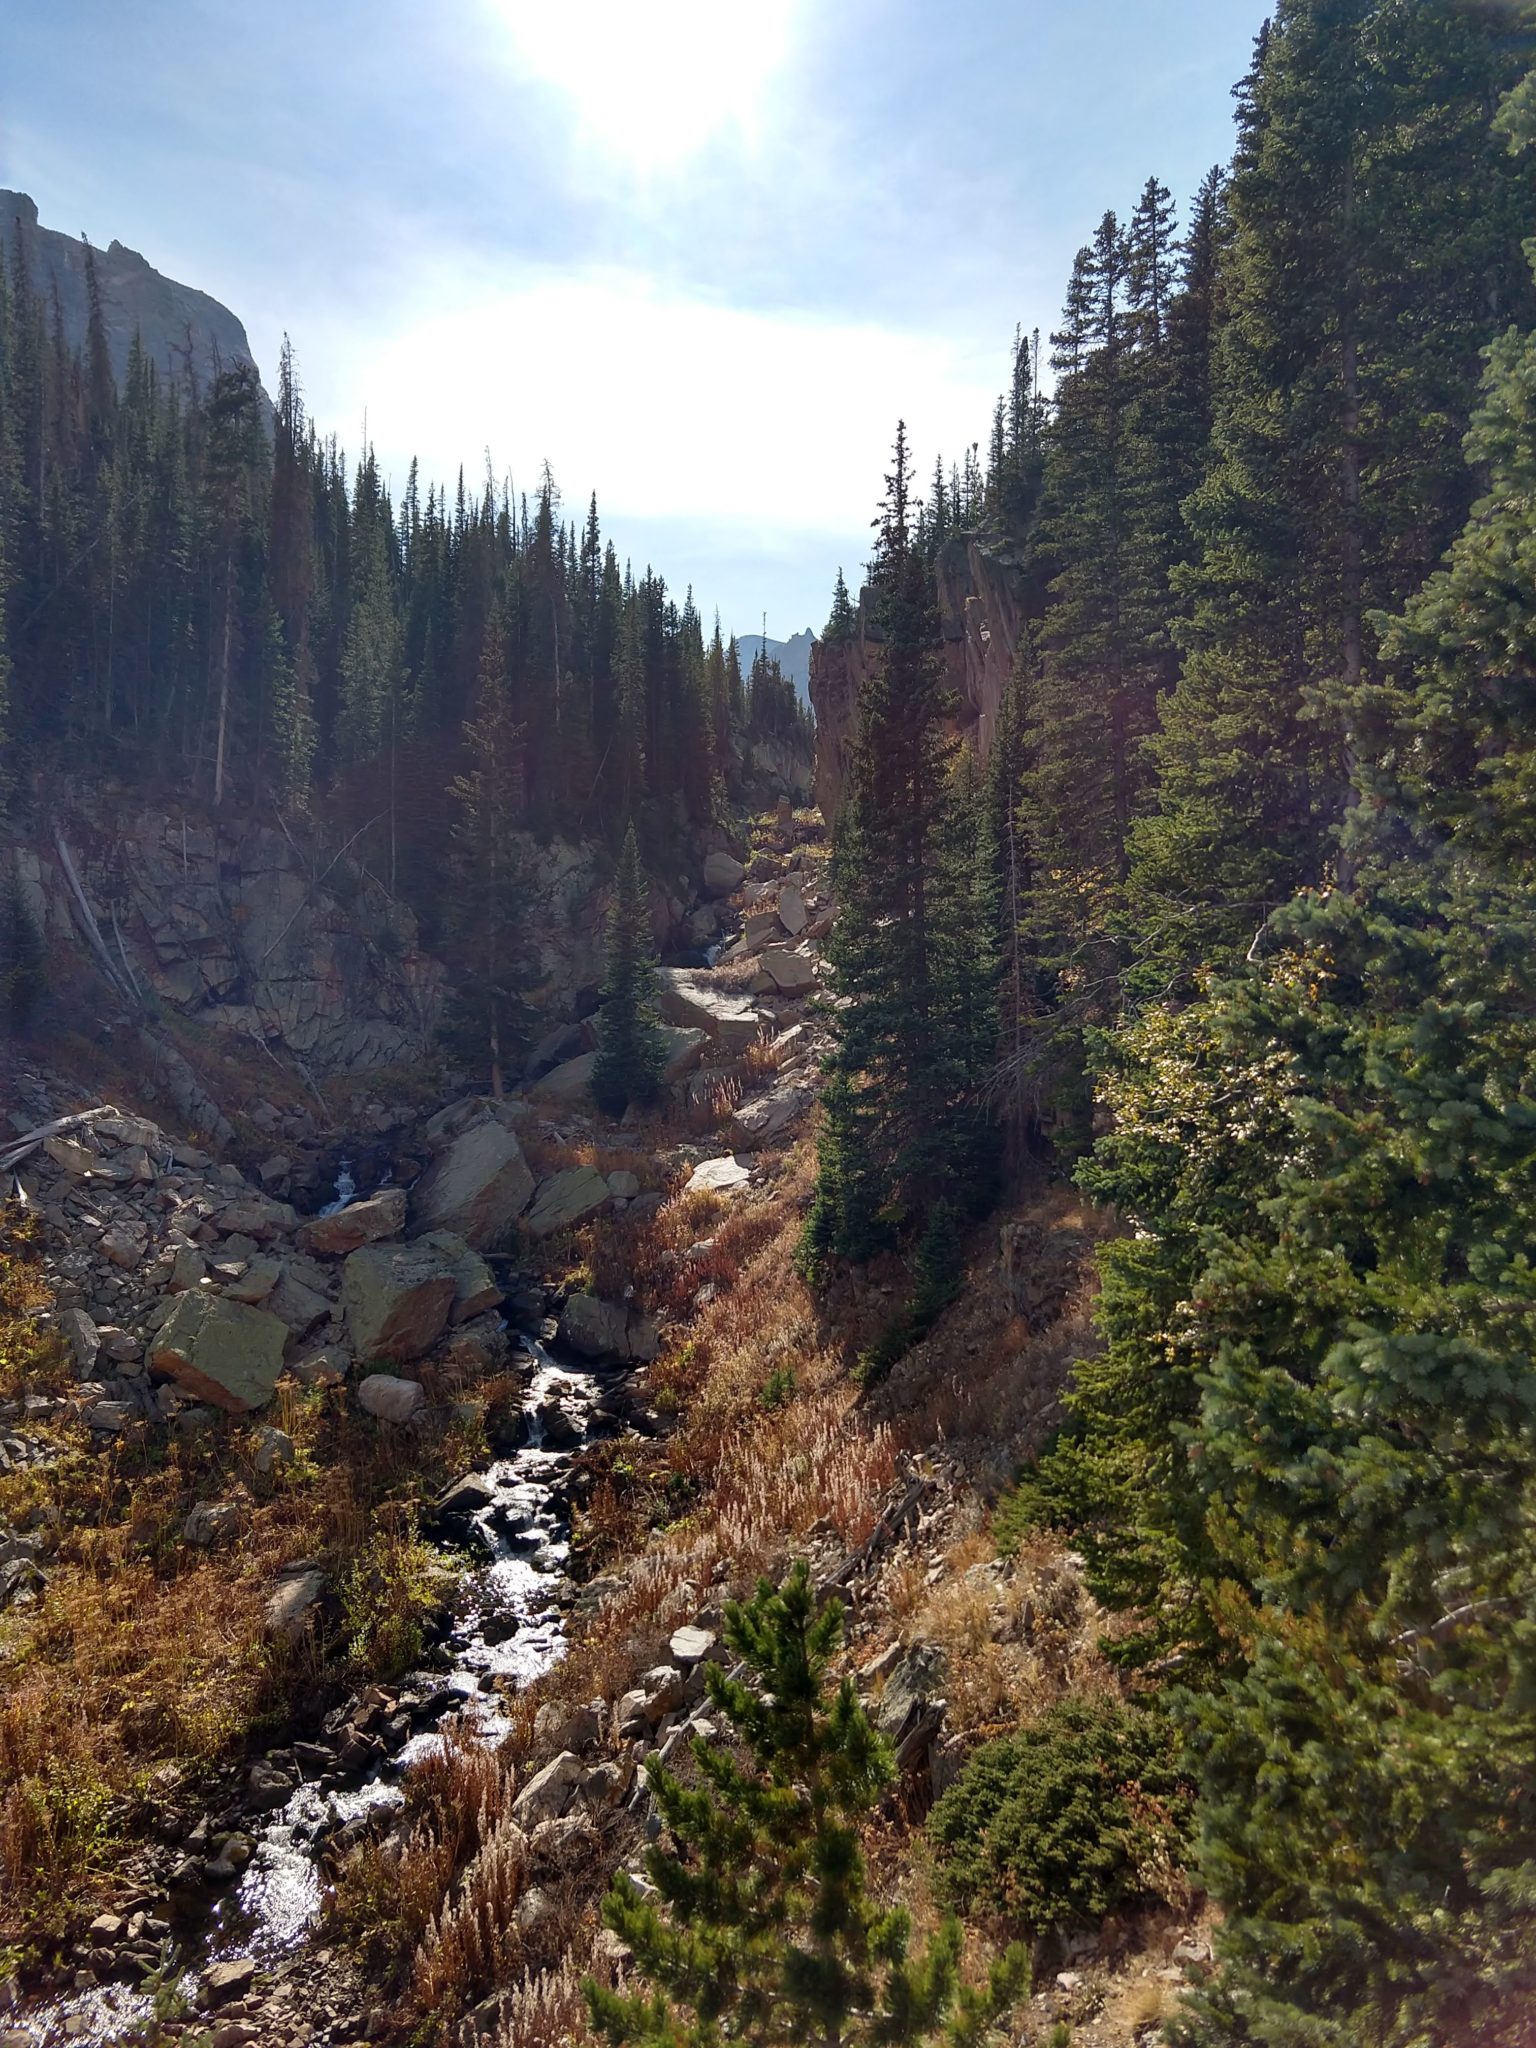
{"x": 981, "y": 608}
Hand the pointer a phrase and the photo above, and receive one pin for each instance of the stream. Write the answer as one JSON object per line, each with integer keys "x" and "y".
{"x": 509, "y": 1629}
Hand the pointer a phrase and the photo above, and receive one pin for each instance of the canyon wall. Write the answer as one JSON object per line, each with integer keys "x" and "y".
{"x": 981, "y": 610}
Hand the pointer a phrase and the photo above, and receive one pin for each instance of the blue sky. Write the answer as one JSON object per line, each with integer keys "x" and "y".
{"x": 698, "y": 254}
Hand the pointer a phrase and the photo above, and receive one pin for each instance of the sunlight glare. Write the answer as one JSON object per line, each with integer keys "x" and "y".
{"x": 653, "y": 80}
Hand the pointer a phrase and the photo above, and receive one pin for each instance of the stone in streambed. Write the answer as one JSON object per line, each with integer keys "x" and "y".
{"x": 374, "y": 1221}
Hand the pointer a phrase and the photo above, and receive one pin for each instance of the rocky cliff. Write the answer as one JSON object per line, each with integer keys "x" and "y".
{"x": 981, "y": 609}
{"x": 181, "y": 330}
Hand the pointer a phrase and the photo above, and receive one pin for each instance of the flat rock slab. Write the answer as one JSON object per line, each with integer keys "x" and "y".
{"x": 691, "y": 1646}
{"x": 221, "y": 1352}
{"x": 567, "y": 1199}
{"x": 719, "y": 1176}
{"x": 690, "y": 997}
{"x": 375, "y": 1221}
{"x": 477, "y": 1187}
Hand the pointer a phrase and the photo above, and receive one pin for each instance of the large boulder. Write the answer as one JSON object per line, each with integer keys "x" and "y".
{"x": 684, "y": 1049}
{"x": 792, "y": 974}
{"x": 567, "y": 1083}
{"x": 390, "y": 1399}
{"x": 375, "y": 1221}
{"x": 398, "y": 1299}
{"x": 767, "y": 1118}
{"x": 692, "y": 998}
{"x": 477, "y": 1187}
{"x": 719, "y": 1177}
{"x": 221, "y": 1352}
{"x": 722, "y": 873}
{"x": 474, "y": 1284}
{"x": 607, "y": 1329}
{"x": 566, "y": 1199}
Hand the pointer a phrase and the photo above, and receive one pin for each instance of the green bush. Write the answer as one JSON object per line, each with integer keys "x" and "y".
{"x": 1082, "y": 1812}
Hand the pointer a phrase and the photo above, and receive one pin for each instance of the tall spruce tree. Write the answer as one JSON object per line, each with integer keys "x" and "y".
{"x": 903, "y": 1131}
{"x": 631, "y": 1053}
{"x": 763, "y": 1930}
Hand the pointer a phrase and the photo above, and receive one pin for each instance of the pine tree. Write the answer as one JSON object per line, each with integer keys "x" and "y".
{"x": 631, "y": 1053}
{"x": 843, "y": 620}
{"x": 763, "y": 1929}
{"x": 903, "y": 1113}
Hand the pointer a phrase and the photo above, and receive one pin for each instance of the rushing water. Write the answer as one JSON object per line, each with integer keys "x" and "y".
{"x": 510, "y": 1630}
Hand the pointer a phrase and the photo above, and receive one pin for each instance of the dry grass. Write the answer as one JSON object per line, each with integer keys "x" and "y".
{"x": 147, "y": 1657}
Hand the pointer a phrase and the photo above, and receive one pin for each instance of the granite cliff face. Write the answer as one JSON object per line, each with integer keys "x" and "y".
{"x": 981, "y": 608}
{"x": 181, "y": 330}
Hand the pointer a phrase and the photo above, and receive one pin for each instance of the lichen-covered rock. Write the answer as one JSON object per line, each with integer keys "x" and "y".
{"x": 477, "y": 1187}
{"x": 221, "y": 1352}
{"x": 398, "y": 1300}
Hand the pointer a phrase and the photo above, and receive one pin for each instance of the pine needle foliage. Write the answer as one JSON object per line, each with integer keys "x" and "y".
{"x": 761, "y": 1928}
{"x": 632, "y": 1055}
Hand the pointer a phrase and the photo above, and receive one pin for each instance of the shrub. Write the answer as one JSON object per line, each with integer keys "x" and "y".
{"x": 1082, "y": 1812}
{"x": 389, "y": 1593}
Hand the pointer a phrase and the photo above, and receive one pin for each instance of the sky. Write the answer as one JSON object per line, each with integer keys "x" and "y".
{"x": 699, "y": 255}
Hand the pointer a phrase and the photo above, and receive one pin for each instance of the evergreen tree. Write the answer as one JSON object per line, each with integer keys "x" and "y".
{"x": 631, "y": 1054}
{"x": 843, "y": 622}
{"x": 903, "y": 1112}
{"x": 764, "y": 1930}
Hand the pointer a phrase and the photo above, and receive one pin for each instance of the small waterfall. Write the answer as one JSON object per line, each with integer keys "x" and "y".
{"x": 346, "y": 1188}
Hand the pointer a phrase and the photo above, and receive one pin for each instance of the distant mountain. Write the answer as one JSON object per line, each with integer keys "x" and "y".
{"x": 793, "y": 656}
{"x": 180, "y": 329}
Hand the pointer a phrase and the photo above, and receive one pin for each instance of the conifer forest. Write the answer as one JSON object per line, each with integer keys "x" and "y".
{"x": 849, "y": 1376}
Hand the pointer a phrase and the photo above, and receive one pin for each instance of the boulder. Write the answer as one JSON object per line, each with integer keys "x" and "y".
{"x": 719, "y": 1177}
{"x": 566, "y": 1199}
{"x": 273, "y": 1447}
{"x": 125, "y": 1244}
{"x": 690, "y": 1646}
{"x": 212, "y": 1522}
{"x": 297, "y": 1305}
{"x": 221, "y": 1352}
{"x": 767, "y": 1118}
{"x": 291, "y": 1607}
{"x": 82, "y": 1337}
{"x": 607, "y": 1329}
{"x": 256, "y": 1216}
{"x": 691, "y": 998}
{"x": 223, "y": 1982}
{"x": 398, "y": 1299}
{"x": 375, "y": 1221}
{"x": 567, "y": 1083}
{"x": 792, "y": 912}
{"x": 255, "y": 1283}
{"x": 390, "y": 1399}
{"x": 325, "y": 1368}
{"x": 546, "y": 1796}
{"x": 684, "y": 1050}
{"x": 188, "y": 1270}
{"x": 477, "y": 1188}
{"x": 793, "y": 974}
{"x": 722, "y": 873}
{"x": 474, "y": 1285}
{"x": 623, "y": 1185}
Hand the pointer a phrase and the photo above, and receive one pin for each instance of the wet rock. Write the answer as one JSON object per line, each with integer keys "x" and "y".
{"x": 374, "y": 1221}
{"x": 225, "y": 1982}
{"x": 477, "y": 1188}
{"x": 546, "y": 1796}
{"x": 390, "y": 1399}
{"x": 466, "y": 1497}
{"x": 566, "y": 1200}
{"x": 221, "y": 1352}
{"x": 211, "y": 1523}
{"x": 267, "y": 1788}
{"x": 398, "y": 1300}
{"x": 555, "y": 1429}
